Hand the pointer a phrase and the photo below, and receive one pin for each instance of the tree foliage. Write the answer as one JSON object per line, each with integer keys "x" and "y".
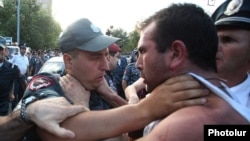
{"x": 133, "y": 40}
{"x": 38, "y": 28}
{"x": 128, "y": 41}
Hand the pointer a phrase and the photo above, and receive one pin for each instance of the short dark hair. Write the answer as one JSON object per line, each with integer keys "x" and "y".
{"x": 190, "y": 24}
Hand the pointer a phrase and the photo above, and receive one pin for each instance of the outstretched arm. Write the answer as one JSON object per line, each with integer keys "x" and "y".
{"x": 110, "y": 96}
{"x": 49, "y": 118}
{"x": 96, "y": 125}
{"x": 13, "y": 128}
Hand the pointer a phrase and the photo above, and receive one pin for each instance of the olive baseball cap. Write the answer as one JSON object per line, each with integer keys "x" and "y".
{"x": 84, "y": 35}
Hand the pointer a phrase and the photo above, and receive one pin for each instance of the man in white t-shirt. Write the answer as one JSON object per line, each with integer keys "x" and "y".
{"x": 21, "y": 60}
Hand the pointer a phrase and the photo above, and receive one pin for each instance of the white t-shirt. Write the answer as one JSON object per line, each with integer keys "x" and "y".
{"x": 21, "y": 61}
{"x": 241, "y": 92}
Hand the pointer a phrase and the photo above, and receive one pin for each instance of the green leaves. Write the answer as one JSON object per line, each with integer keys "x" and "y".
{"x": 37, "y": 26}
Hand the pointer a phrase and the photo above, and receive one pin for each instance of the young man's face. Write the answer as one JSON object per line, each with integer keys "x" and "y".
{"x": 150, "y": 62}
{"x": 234, "y": 51}
{"x": 88, "y": 68}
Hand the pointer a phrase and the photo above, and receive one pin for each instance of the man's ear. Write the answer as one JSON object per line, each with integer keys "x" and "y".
{"x": 178, "y": 54}
{"x": 67, "y": 58}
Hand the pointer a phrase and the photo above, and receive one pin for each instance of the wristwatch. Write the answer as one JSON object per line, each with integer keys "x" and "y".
{"x": 25, "y": 103}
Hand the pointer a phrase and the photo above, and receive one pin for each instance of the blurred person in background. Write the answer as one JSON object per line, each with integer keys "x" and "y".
{"x": 131, "y": 75}
{"x": 9, "y": 74}
{"x": 22, "y": 61}
{"x": 56, "y": 52}
{"x": 37, "y": 61}
{"x": 113, "y": 58}
{"x": 118, "y": 73}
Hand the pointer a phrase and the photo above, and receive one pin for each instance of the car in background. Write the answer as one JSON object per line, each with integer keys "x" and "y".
{"x": 13, "y": 50}
{"x": 54, "y": 65}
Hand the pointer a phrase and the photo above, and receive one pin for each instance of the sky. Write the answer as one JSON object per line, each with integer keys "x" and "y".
{"x": 119, "y": 13}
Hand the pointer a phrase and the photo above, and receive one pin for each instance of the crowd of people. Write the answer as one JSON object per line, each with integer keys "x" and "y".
{"x": 202, "y": 79}
{"x": 24, "y": 64}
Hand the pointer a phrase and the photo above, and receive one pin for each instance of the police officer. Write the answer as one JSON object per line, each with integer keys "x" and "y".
{"x": 232, "y": 20}
{"x": 131, "y": 73}
{"x": 118, "y": 73}
{"x": 8, "y": 74}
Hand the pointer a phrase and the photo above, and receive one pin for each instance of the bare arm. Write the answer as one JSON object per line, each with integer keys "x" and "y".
{"x": 124, "y": 84}
{"x": 11, "y": 95}
{"x": 13, "y": 128}
{"x": 49, "y": 118}
{"x": 95, "y": 125}
{"x": 131, "y": 91}
{"x": 110, "y": 96}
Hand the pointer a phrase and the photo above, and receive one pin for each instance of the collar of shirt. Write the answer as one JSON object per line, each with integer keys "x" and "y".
{"x": 242, "y": 91}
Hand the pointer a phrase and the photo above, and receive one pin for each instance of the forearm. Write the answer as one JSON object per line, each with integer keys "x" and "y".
{"x": 11, "y": 94}
{"x": 96, "y": 125}
{"x": 13, "y": 128}
{"x": 124, "y": 84}
{"x": 115, "y": 100}
{"x": 112, "y": 97}
{"x": 130, "y": 91}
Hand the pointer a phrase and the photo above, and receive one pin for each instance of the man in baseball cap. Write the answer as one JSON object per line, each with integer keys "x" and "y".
{"x": 232, "y": 19}
{"x": 9, "y": 73}
{"x": 85, "y": 50}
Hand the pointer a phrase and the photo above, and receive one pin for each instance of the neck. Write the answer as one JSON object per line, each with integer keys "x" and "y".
{"x": 209, "y": 75}
{"x": 233, "y": 79}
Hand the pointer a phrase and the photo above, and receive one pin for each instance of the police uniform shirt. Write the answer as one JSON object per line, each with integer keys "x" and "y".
{"x": 43, "y": 85}
{"x": 131, "y": 74}
{"x": 8, "y": 73}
